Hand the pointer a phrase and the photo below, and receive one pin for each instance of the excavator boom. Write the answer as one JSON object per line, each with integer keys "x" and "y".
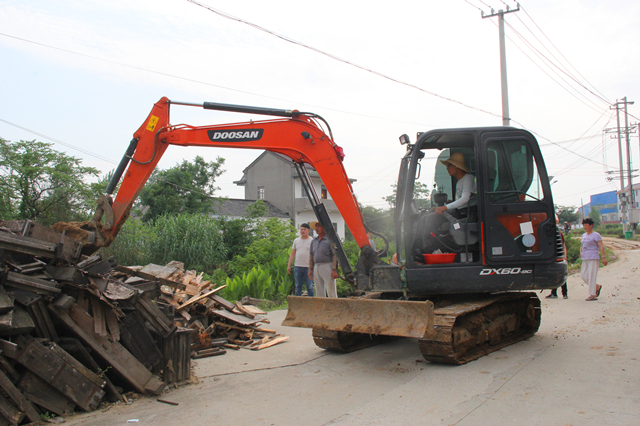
{"x": 296, "y": 135}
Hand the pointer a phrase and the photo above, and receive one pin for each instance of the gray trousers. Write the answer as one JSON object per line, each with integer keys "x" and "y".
{"x": 323, "y": 281}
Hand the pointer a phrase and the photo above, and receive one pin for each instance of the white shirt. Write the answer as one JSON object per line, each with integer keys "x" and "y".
{"x": 302, "y": 248}
{"x": 466, "y": 186}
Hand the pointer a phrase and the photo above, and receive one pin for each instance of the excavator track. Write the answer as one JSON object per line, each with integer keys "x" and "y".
{"x": 468, "y": 330}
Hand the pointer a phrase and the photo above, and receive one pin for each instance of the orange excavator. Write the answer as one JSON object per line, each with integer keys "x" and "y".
{"x": 457, "y": 288}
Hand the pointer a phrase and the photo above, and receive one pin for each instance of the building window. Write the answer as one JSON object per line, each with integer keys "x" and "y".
{"x": 323, "y": 192}
{"x": 261, "y": 193}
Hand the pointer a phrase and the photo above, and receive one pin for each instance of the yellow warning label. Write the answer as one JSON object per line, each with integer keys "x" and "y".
{"x": 152, "y": 123}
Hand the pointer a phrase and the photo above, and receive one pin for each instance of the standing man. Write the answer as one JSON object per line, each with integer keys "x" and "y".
{"x": 300, "y": 252}
{"x": 323, "y": 267}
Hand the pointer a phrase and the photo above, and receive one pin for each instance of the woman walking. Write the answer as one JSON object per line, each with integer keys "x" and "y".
{"x": 590, "y": 250}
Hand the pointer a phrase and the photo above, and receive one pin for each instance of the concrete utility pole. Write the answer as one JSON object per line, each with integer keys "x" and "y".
{"x": 629, "y": 171}
{"x": 506, "y": 119}
{"x": 623, "y": 203}
{"x": 628, "y": 202}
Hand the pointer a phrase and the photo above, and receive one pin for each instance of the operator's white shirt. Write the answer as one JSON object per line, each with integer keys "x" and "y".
{"x": 466, "y": 186}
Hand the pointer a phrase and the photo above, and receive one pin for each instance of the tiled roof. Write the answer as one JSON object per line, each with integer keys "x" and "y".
{"x": 234, "y": 207}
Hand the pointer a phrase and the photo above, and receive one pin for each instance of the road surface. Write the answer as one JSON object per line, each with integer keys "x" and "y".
{"x": 581, "y": 368}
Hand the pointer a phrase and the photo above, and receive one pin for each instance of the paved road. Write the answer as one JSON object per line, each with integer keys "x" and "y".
{"x": 581, "y": 368}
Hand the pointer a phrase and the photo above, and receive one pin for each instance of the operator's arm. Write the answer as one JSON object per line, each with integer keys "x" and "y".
{"x": 468, "y": 184}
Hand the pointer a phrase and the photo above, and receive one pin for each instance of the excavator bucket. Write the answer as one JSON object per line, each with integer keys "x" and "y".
{"x": 370, "y": 316}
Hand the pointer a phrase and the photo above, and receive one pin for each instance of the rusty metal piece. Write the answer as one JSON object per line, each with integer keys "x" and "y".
{"x": 382, "y": 317}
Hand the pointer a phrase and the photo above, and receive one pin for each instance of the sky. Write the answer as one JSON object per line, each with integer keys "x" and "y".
{"x": 85, "y": 74}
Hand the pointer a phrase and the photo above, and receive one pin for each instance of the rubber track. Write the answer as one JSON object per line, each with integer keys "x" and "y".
{"x": 466, "y": 331}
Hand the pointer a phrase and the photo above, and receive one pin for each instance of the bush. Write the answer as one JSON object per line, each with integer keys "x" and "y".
{"x": 194, "y": 239}
{"x": 134, "y": 244}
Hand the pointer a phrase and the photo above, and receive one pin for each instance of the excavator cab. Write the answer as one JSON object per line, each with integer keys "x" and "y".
{"x": 504, "y": 238}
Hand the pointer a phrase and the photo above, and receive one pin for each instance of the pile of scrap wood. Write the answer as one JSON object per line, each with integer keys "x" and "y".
{"x": 75, "y": 330}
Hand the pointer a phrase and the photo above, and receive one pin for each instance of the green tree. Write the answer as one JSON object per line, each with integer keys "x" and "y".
{"x": 39, "y": 183}
{"x": 568, "y": 214}
{"x": 239, "y": 233}
{"x": 186, "y": 188}
{"x": 596, "y": 216}
{"x": 420, "y": 195}
{"x": 272, "y": 237}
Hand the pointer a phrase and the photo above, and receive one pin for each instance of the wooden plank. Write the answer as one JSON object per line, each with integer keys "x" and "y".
{"x": 74, "y": 348}
{"x": 99, "y": 322}
{"x": 21, "y": 323}
{"x": 62, "y": 372}
{"x": 71, "y": 248}
{"x": 271, "y": 343}
{"x": 138, "y": 340}
{"x": 41, "y": 393}
{"x": 252, "y": 309}
{"x": 28, "y": 245}
{"x": 21, "y": 402}
{"x": 51, "y": 330}
{"x": 82, "y": 369}
{"x": 158, "y": 320}
{"x": 244, "y": 311}
{"x": 113, "y": 352}
{"x": 223, "y": 302}
{"x": 9, "y": 370}
{"x": 6, "y": 303}
{"x": 112, "y": 324}
{"x": 202, "y": 296}
{"x": 163, "y": 281}
{"x": 238, "y": 319}
{"x": 160, "y": 271}
{"x": 30, "y": 283}
{"x": 9, "y": 411}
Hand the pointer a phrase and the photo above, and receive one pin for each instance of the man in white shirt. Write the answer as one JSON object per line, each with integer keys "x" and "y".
{"x": 300, "y": 252}
{"x": 465, "y": 187}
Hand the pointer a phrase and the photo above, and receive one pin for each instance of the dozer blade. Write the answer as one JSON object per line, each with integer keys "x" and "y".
{"x": 370, "y": 316}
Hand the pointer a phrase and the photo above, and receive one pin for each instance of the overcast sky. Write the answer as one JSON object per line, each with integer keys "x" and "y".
{"x": 85, "y": 74}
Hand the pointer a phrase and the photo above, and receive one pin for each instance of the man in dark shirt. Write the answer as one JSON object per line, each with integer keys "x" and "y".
{"x": 322, "y": 263}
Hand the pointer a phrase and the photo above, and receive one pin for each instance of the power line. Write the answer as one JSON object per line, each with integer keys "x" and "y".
{"x": 558, "y": 50}
{"x": 329, "y": 55}
{"x": 549, "y": 62}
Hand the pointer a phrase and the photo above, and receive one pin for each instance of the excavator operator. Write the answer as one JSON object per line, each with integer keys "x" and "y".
{"x": 465, "y": 188}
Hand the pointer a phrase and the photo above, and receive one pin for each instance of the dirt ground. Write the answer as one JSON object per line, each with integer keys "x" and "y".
{"x": 581, "y": 368}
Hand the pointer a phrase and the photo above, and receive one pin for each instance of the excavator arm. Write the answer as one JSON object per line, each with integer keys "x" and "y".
{"x": 296, "y": 135}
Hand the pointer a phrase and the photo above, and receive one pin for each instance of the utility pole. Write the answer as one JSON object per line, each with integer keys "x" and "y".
{"x": 629, "y": 171}
{"x": 627, "y": 202}
{"x": 506, "y": 119}
{"x": 623, "y": 202}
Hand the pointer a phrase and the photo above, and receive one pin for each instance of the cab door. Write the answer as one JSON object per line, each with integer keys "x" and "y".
{"x": 519, "y": 223}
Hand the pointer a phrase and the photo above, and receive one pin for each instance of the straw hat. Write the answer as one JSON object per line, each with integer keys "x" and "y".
{"x": 457, "y": 159}
{"x": 314, "y": 224}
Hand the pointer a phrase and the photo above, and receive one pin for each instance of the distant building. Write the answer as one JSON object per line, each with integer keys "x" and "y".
{"x": 607, "y": 204}
{"x": 273, "y": 178}
{"x": 234, "y": 208}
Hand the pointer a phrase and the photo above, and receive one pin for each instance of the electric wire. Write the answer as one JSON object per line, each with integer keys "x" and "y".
{"x": 549, "y": 64}
{"x": 284, "y": 38}
{"x": 558, "y": 50}
{"x": 329, "y": 55}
